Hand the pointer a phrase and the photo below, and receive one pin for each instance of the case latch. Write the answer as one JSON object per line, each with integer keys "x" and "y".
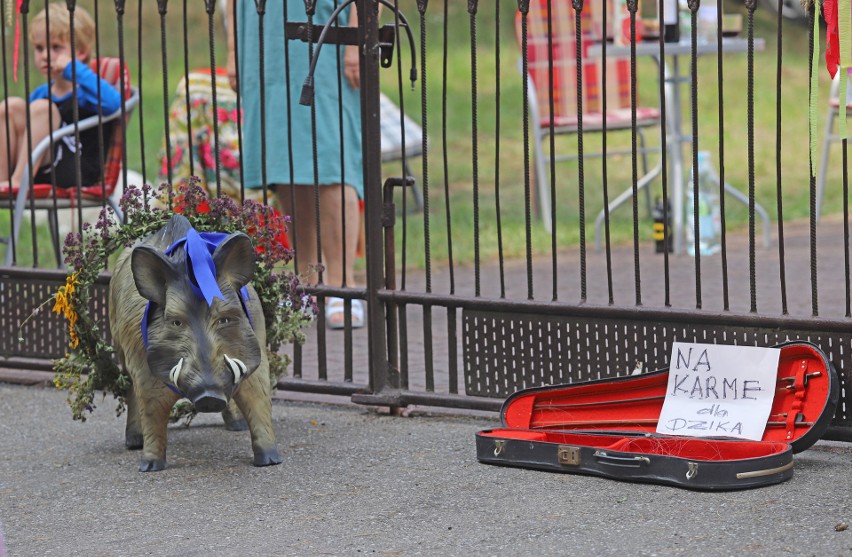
{"x": 692, "y": 470}
{"x": 567, "y": 455}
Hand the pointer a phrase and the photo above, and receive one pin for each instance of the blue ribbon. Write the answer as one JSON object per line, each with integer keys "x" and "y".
{"x": 201, "y": 271}
{"x": 199, "y": 262}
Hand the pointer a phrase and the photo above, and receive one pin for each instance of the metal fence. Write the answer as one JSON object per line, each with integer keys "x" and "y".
{"x": 530, "y": 185}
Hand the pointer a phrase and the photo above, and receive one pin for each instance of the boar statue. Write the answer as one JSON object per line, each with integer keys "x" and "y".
{"x": 186, "y": 322}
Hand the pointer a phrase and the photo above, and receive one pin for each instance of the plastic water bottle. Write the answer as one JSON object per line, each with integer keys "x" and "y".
{"x": 709, "y": 214}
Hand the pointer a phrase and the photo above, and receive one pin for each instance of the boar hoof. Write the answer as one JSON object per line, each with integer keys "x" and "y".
{"x": 267, "y": 457}
{"x": 236, "y": 425}
{"x": 133, "y": 441}
{"x": 152, "y": 465}
{"x": 233, "y": 418}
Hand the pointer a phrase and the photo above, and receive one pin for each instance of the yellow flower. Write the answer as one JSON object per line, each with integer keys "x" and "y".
{"x": 64, "y": 305}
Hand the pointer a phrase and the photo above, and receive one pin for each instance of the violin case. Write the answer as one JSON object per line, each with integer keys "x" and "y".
{"x": 608, "y": 428}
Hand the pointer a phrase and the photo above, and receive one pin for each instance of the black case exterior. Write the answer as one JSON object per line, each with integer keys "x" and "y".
{"x": 719, "y": 464}
{"x": 717, "y": 475}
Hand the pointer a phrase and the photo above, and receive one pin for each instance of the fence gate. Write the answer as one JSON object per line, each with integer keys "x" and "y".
{"x": 531, "y": 172}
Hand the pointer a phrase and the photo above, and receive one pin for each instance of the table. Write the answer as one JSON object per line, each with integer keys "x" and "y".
{"x": 675, "y": 138}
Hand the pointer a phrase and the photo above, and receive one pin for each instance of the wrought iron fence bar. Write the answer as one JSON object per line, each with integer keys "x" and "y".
{"x": 616, "y": 312}
{"x": 211, "y": 33}
{"x": 404, "y": 344}
{"x": 720, "y": 84}
{"x": 141, "y": 89}
{"x": 452, "y": 350}
{"x": 604, "y": 153}
{"x": 122, "y": 85}
{"x": 424, "y": 125}
{"x": 320, "y": 387}
{"x": 444, "y": 143}
{"x": 162, "y": 8}
{"x": 75, "y": 115}
{"x": 693, "y": 70}
{"x": 233, "y": 35}
{"x": 750, "y": 6}
{"x": 382, "y": 377}
{"x": 474, "y": 109}
{"x": 100, "y": 132}
{"x": 812, "y": 185}
{"x": 523, "y": 7}
{"x": 497, "y": 135}
{"x": 632, "y": 6}
{"x": 552, "y": 138}
{"x": 189, "y": 137}
{"x": 400, "y": 399}
{"x": 661, "y": 79}
{"x": 848, "y": 288}
{"x": 10, "y": 196}
{"x": 428, "y": 356}
{"x": 782, "y": 272}
{"x": 581, "y": 178}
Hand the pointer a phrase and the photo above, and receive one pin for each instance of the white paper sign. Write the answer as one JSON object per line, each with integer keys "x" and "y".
{"x": 719, "y": 390}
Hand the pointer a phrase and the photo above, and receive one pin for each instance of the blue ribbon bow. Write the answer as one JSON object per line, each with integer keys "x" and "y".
{"x": 201, "y": 270}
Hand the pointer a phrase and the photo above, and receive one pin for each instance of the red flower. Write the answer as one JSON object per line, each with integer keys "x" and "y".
{"x": 229, "y": 159}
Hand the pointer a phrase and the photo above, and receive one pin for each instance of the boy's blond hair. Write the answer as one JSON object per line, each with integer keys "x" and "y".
{"x": 60, "y": 26}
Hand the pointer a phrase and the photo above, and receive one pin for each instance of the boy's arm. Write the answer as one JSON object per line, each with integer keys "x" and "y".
{"x": 87, "y": 90}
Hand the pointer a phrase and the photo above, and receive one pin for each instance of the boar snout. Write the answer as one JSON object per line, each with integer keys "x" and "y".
{"x": 210, "y": 401}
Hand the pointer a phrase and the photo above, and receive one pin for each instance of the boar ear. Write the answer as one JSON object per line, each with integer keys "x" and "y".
{"x": 152, "y": 270}
{"x": 234, "y": 260}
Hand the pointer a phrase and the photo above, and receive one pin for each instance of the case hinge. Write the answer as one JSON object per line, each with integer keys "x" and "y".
{"x": 567, "y": 455}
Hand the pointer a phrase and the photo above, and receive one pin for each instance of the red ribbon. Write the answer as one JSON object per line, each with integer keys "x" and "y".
{"x": 832, "y": 37}
{"x": 17, "y": 48}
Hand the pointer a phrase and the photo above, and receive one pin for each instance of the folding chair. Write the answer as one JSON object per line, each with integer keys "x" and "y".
{"x": 47, "y": 198}
{"x": 564, "y": 119}
{"x": 829, "y": 137}
{"x": 391, "y": 124}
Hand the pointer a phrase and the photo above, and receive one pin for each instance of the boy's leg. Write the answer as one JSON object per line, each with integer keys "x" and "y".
{"x": 43, "y": 113}
{"x": 13, "y": 113}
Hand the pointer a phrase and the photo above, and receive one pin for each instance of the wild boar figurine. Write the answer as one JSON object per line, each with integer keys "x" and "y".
{"x": 186, "y": 322}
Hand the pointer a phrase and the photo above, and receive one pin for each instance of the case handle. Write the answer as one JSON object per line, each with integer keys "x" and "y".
{"x": 613, "y": 460}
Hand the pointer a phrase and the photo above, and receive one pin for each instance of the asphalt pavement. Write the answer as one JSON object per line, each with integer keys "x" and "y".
{"x": 357, "y": 482}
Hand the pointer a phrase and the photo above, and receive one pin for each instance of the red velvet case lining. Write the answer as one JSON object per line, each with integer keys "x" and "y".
{"x": 692, "y": 448}
{"x": 635, "y": 403}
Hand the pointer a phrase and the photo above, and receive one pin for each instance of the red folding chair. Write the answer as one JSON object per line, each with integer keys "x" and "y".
{"x": 46, "y": 197}
{"x": 560, "y": 46}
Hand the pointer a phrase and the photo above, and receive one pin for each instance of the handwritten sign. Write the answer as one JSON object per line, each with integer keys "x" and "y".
{"x": 719, "y": 390}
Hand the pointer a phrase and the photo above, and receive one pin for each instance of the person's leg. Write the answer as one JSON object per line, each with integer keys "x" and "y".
{"x": 12, "y": 111}
{"x": 298, "y": 203}
{"x": 43, "y": 113}
{"x": 339, "y": 242}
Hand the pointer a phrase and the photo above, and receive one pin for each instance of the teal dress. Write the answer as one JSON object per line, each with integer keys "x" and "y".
{"x": 280, "y": 167}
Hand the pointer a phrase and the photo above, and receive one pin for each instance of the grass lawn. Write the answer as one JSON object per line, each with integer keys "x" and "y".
{"x": 499, "y": 161}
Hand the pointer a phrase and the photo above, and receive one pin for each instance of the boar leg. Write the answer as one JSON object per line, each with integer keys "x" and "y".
{"x": 133, "y": 429}
{"x": 254, "y": 398}
{"x": 155, "y": 404}
{"x": 233, "y": 418}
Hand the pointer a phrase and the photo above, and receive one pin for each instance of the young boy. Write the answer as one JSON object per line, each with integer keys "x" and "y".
{"x": 53, "y": 103}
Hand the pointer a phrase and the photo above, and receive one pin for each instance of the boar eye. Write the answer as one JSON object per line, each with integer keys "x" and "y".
{"x": 224, "y": 320}
{"x": 177, "y": 322}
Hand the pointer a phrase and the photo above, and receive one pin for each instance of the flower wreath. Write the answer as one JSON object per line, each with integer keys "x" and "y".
{"x": 90, "y": 366}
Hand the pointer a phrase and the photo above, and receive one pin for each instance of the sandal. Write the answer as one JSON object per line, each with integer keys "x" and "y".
{"x": 335, "y": 313}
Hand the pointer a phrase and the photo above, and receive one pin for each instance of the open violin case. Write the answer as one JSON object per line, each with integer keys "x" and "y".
{"x": 608, "y": 428}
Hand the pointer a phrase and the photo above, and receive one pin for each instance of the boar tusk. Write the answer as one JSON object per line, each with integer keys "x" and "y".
{"x": 175, "y": 372}
{"x": 238, "y": 368}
